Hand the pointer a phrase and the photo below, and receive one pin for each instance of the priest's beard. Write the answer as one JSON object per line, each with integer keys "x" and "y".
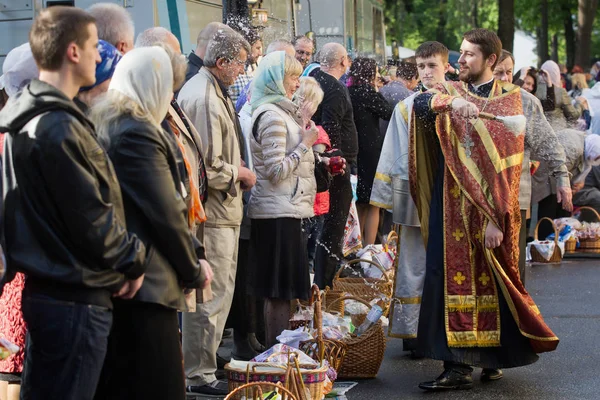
{"x": 471, "y": 74}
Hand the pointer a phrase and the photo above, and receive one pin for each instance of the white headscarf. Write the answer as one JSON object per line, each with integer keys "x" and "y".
{"x": 553, "y": 70}
{"x": 18, "y": 69}
{"x": 145, "y": 75}
{"x": 591, "y": 156}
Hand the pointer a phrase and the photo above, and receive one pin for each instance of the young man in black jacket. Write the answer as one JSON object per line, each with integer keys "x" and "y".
{"x": 64, "y": 224}
{"x": 336, "y": 117}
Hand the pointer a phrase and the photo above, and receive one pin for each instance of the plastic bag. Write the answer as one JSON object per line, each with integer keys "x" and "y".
{"x": 7, "y": 348}
{"x": 352, "y": 237}
{"x": 293, "y": 338}
{"x": 280, "y": 353}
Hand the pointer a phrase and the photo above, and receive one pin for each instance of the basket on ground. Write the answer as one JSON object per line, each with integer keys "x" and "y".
{"x": 255, "y": 390}
{"x": 536, "y": 255}
{"x": 364, "y": 353}
{"x": 590, "y": 245}
{"x": 313, "y": 377}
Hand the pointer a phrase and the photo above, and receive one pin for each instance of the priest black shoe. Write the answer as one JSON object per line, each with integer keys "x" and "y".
{"x": 491, "y": 374}
{"x": 449, "y": 380}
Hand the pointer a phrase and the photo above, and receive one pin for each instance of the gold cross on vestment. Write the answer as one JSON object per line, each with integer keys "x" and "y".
{"x": 459, "y": 278}
{"x": 455, "y": 191}
{"x": 458, "y": 234}
{"x": 484, "y": 279}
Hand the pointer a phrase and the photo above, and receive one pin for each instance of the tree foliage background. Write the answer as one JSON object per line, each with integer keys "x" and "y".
{"x": 564, "y": 29}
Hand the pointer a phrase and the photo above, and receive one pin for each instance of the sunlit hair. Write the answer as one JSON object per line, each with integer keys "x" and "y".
{"x": 309, "y": 91}
{"x": 110, "y": 108}
{"x": 113, "y": 21}
{"x": 292, "y": 66}
{"x": 578, "y": 81}
{"x": 432, "y": 49}
{"x": 489, "y": 43}
{"x": 156, "y": 34}
{"x": 279, "y": 45}
{"x": 225, "y": 44}
{"x": 504, "y": 55}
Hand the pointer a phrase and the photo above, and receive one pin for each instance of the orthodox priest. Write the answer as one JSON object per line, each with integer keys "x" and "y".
{"x": 464, "y": 173}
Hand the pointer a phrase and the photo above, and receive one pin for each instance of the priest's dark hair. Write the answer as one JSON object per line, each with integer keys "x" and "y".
{"x": 489, "y": 43}
{"x": 432, "y": 49}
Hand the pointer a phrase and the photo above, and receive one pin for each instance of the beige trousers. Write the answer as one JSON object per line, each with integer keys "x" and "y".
{"x": 202, "y": 330}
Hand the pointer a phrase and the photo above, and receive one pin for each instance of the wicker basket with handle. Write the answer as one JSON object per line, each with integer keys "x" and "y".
{"x": 312, "y": 377}
{"x": 536, "y": 256}
{"x": 254, "y": 391}
{"x": 320, "y": 349}
{"x": 365, "y": 288}
{"x": 364, "y": 353}
{"x": 590, "y": 245}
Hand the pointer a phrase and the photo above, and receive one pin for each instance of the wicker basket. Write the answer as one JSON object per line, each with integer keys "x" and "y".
{"x": 365, "y": 288}
{"x": 556, "y": 254}
{"x": 329, "y": 296}
{"x": 323, "y": 349}
{"x": 254, "y": 391}
{"x": 313, "y": 378}
{"x": 364, "y": 353}
{"x": 571, "y": 245}
{"x": 590, "y": 245}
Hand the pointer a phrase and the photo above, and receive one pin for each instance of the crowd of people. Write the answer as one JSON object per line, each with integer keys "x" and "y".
{"x": 139, "y": 184}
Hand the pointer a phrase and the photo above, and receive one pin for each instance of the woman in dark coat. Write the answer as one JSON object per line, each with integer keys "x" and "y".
{"x": 144, "y": 358}
{"x": 369, "y": 107}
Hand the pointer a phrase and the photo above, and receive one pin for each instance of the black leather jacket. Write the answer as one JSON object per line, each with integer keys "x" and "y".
{"x": 144, "y": 158}
{"x": 64, "y": 221}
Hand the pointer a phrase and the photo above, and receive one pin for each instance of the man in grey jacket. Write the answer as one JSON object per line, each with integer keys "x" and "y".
{"x": 541, "y": 144}
{"x": 205, "y": 100}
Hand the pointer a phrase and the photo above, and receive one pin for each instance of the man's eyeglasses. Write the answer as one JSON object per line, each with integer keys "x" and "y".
{"x": 304, "y": 53}
{"x": 238, "y": 62}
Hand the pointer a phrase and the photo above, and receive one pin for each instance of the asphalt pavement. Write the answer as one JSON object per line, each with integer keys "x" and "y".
{"x": 568, "y": 295}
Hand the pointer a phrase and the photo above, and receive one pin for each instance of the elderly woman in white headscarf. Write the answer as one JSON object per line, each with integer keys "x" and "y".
{"x": 144, "y": 358}
{"x": 18, "y": 70}
{"x": 583, "y": 153}
{"x": 566, "y": 111}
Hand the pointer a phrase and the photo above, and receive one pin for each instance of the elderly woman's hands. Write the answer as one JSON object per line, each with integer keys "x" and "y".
{"x": 310, "y": 133}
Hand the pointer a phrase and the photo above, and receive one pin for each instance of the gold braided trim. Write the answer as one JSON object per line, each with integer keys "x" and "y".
{"x": 380, "y": 205}
{"x": 383, "y": 177}
{"x": 403, "y": 111}
{"x": 487, "y": 303}
{"x": 499, "y": 271}
{"x": 408, "y": 300}
{"x": 460, "y": 302}
{"x": 473, "y": 339}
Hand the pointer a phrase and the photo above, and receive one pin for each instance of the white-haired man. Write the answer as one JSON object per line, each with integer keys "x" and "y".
{"x": 115, "y": 25}
{"x": 204, "y": 98}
